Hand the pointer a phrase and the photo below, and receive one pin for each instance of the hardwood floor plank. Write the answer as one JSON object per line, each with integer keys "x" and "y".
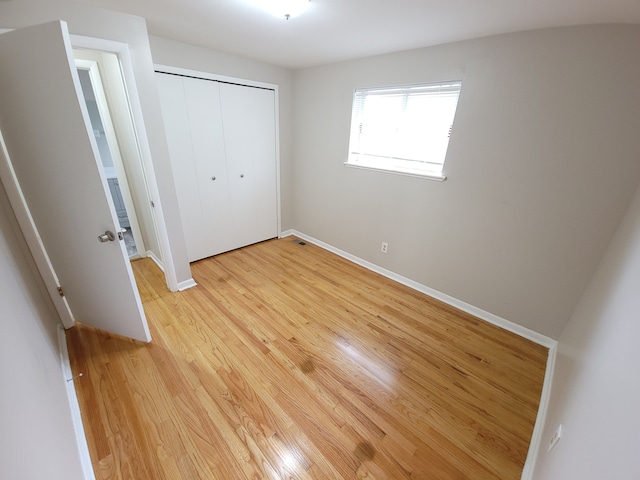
{"x": 287, "y": 361}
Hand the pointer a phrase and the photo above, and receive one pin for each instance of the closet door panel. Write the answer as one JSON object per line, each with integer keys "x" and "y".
{"x": 250, "y": 143}
{"x": 178, "y": 133}
{"x": 205, "y": 122}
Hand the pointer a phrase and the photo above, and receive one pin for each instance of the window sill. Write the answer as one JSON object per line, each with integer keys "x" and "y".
{"x": 426, "y": 176}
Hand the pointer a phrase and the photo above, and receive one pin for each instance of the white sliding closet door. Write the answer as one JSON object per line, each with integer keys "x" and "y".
{"x": 222, "y": 145}
{"x": 249, "y": 134}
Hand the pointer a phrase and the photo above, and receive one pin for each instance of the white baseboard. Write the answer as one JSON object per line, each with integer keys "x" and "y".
{"x": 552, "y": 345}
{"x": 185, "y": 284}
{"x": 288, "y": 233}
{"x": 74, "y": 406}
{"x": 155, "y": 259}
{"x": 448, "y": 299}
{"x": 541, "y": 418}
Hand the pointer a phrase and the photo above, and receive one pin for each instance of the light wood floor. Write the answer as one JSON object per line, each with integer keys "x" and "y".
{"x": 290, "y": 362}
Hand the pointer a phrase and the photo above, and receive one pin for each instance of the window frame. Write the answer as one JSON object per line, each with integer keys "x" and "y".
{"x": 406, "y": 90}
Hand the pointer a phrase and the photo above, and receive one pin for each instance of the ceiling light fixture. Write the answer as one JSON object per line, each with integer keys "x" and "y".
{"x": 283, "y": 8}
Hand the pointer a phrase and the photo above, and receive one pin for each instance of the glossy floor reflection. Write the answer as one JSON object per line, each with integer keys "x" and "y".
{"x": 289, "y": 362}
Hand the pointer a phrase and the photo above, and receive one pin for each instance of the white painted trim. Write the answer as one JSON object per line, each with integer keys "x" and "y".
{"x": 289, "y": 233}
{"x": 541, "y": 418}
{"x": 155, "y": 259}
{"x": 426, "y": 176}
{"x": 276, "y": 109}
{"x": 74, "y": 406}
{"x": 126, "y": 63}
{"x": 552, "y": 345}
{"x": 101, "y": 44}
{"x": 186, "y": 284}
{"x": 448, "y": 299}
{"x": 93, "y": 67}
{"x": 212, "y": 76}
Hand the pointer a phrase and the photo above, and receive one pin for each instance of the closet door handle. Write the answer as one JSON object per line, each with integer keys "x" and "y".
{"x": 213, "y": 178}
{"x": 242, "y": 175}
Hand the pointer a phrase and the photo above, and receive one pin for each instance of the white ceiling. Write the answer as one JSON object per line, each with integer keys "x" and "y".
{"x": 335, "y": 30}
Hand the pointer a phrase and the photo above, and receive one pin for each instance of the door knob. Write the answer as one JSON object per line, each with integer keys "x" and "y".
{"x": 242, "y": 175}
{"x": 107, "y": 236}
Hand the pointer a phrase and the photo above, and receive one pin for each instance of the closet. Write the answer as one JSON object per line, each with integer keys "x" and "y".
{"x": 222, "y": 143}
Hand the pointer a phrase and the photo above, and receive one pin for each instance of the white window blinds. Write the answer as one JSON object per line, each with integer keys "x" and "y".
{"x": 403, "y": 129}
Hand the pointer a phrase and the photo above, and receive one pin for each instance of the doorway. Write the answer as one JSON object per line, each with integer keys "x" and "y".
{"x": 58, "y": 189}
{"x": 103, "y": 132}
{"x": 107, "y": 103}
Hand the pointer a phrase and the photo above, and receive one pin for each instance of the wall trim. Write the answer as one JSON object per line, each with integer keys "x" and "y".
{"x": 188, "y": 72}
{"x": 448, "y": 299}
{"x": 541, "y": 417}
{"x": 74, "y": 406}
{"x": 155, "y": 259}
{"x": 543, "y": 340}
{"x": 185, "y": 284}
{"x": 123, "y": 52}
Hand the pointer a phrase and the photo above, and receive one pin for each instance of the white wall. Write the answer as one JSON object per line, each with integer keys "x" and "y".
{"x": 542, "y": 163}
{"x": 176, "y": 54}
{"x": 37, "y": 438}
{"x": 596, "y": 387}
{"x": 132, "y": 31}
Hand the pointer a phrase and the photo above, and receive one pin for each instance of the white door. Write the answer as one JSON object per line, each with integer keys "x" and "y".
{"x": 191, "y": 112}
{"x": 46, "y": 129}
{"x": 250, "y": 145}
{"x": 222, "y": 143}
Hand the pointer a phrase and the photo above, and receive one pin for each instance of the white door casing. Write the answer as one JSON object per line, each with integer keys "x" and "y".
{"x": 133, "y": 135}
{"x": 46, "y": 130}
{"x": 113, "y": 142}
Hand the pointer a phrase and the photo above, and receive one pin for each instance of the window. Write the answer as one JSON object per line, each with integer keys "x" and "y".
{"x": 403, "y": 129}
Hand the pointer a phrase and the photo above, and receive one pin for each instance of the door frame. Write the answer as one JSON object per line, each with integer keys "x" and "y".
{"x": 93, "y": 70}
{"x": 165, "y": 262}
{"x": 159, "y": 68}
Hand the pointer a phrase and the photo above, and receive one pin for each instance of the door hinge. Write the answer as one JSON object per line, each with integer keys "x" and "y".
{"x": 60, "y": 291}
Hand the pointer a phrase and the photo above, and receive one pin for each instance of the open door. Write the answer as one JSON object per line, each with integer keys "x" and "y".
{"x": 55, "y": 160}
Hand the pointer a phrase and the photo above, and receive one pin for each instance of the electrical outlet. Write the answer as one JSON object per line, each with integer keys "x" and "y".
{"x": 555, "y": 437}
{"x": 385, "y": 247}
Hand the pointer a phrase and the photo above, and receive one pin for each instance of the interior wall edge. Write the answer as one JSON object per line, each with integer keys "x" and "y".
{"x": 74, "y": 407}
{"x": 187, "y": 284}
{"x": 537, "y": 436}
{"x": 155, "y": 259}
